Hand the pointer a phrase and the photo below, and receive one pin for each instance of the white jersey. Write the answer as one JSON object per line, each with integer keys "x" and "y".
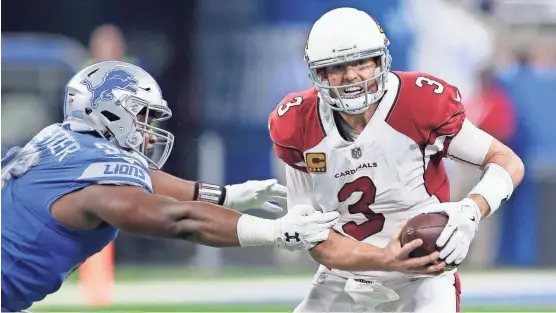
{"x": 391, "y": 172}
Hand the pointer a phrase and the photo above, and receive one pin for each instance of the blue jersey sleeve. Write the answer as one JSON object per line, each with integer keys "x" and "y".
{"x": 100, "y": 162}
{"x": 115, "y": 171}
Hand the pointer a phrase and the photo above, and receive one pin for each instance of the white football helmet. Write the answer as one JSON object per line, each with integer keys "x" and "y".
{"x": 106, "y": 98}
{"x": 345, "y": 35}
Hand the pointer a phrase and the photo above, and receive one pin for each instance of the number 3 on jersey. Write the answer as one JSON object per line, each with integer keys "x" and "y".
{"x": 375, "y": 221}
{"x": 286, "y": 106}
{"x": 438, "y": 87}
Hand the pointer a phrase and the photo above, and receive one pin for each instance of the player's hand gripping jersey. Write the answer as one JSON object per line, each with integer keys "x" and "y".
{"x": 54, "y": 163}
{"x": 394, "y": 168}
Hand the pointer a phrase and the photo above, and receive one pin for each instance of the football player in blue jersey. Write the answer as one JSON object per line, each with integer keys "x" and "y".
{"x": 68, "y": 191}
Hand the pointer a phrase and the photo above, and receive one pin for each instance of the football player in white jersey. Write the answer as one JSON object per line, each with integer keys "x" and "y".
{"x": 368, "y": 142}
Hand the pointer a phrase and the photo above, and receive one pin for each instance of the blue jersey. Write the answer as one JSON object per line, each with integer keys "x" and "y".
{"x": 38, "y": 253}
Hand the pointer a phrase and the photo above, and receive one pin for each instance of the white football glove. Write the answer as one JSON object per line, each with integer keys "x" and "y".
{"x": 256, "y": 194}
{"x": 463, "y": 222}
{"x": 304, "y": 227}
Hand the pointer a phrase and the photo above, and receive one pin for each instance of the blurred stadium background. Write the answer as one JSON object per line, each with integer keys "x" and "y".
{"x": 224, "y": 65}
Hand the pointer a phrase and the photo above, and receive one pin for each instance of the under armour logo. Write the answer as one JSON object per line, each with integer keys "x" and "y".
{"x": 289, "y": 238}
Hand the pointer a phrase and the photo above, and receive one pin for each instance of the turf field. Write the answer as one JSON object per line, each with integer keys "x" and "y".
{"x": 254, "y": 308}
{"x": 236, "y": 290}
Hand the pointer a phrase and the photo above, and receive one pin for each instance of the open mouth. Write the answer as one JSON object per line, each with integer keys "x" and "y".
{"x": 353, "y": 91}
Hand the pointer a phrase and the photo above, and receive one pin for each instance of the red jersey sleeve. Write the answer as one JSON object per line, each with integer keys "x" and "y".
{"x": 293, "y": 126}
{"x": 433, "y": 105}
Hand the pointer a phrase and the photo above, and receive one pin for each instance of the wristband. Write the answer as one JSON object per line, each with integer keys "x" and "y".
{"x": 209, "y": 193}
{"x": 495, "y": 185}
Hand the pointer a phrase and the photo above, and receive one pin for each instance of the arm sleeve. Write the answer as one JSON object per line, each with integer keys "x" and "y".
{"x": 470, "y": 145}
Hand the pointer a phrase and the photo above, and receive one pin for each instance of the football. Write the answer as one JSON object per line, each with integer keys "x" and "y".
{"x": 426, "y": 227}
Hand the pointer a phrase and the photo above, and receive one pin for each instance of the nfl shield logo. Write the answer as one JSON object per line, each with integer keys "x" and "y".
{"x": 356, "y": 153}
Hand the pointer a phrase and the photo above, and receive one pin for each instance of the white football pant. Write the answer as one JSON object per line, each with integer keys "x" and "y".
{"x": 331, "y": 293}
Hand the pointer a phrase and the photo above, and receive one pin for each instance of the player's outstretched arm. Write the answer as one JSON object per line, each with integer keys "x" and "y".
{"x": 135, "y": 210}
{"x": 343, "y": 253}
{"x": 172, "y": 186}
{"x": 239, "y": 197}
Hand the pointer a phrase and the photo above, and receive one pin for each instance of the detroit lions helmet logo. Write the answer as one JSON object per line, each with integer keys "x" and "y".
{"x": 116, "y": 79}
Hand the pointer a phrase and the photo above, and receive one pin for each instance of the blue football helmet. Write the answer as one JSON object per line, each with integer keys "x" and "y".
{"x": 108, "y": 97}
